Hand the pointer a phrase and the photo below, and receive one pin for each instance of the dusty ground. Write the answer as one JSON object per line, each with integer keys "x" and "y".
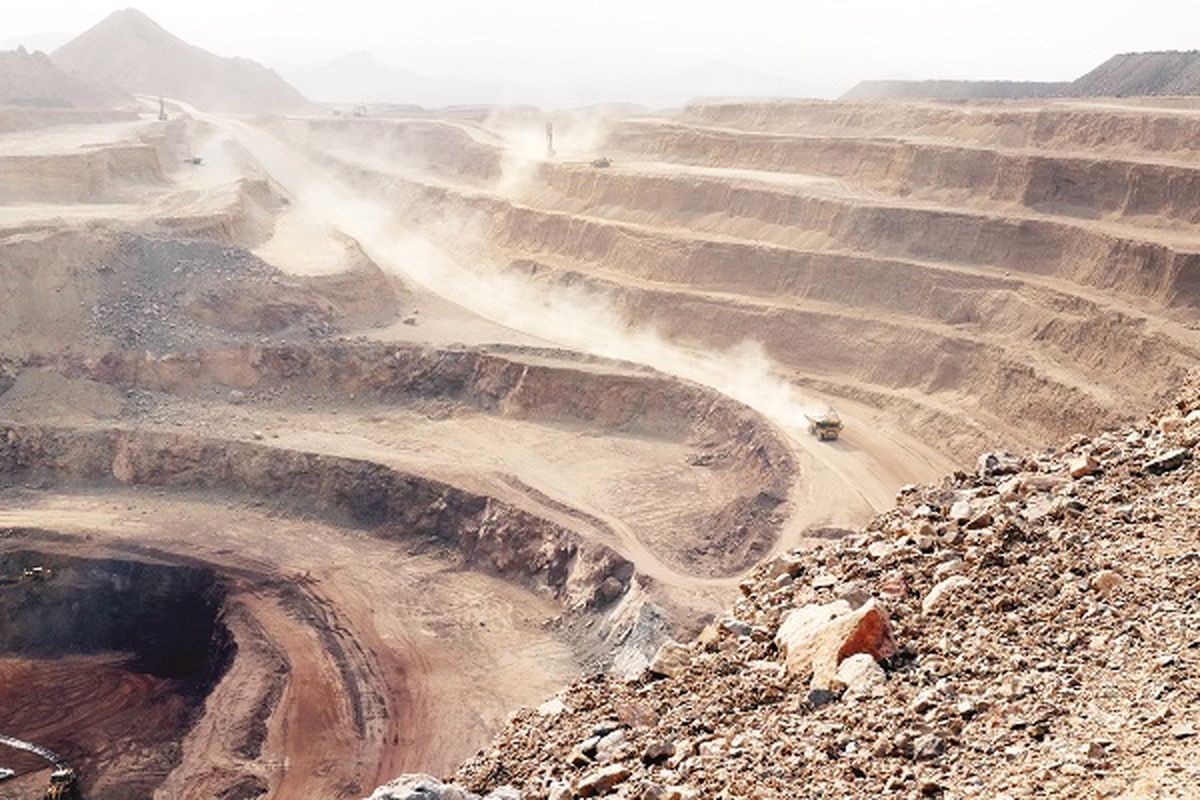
{"x": 550, "y": 412}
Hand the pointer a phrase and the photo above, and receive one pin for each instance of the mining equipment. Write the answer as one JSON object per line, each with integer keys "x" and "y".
{"x": 826, "y": 427}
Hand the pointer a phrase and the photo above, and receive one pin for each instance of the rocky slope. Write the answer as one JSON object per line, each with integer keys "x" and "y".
{"x": 1026, "y": 630}
{"x": 32, "y": 80}
{"x": 1139, "y": 74}
{"x": 130, "y": 51}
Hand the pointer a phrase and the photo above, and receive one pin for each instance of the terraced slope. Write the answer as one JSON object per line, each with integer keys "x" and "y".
{"x": 345, "y": 361}
{"x": 401, "y": 505}
{"x": 977, "y": 274}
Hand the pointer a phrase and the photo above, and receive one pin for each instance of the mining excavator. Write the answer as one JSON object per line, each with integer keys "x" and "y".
{"x": 826, "y": 427}
{"x": 63, "y": 786}
{"x": 64, "y": 783}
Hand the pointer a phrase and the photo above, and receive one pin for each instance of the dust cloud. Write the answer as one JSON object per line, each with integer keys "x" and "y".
{"x": 572, "y": 317}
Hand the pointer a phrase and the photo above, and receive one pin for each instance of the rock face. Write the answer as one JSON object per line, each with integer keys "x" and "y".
{"x": 489, "y": 535}
{"x": 128, "y": 50}
{"x": 1050, "y": 654}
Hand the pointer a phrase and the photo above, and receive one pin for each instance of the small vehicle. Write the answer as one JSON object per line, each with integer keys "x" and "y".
{"x": 195, "y": 161}
{"x": 602, "y": 163}
{"x": 63, "y": 785}
{"x": 37, "y": 574}
{"x": 826, "y": 427}
{"x": 5, "y": 774}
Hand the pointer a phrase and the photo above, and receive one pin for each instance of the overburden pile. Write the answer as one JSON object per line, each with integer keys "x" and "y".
{"x": 1028, "y": 630}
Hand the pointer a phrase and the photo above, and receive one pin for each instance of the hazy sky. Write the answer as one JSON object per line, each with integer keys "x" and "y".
{"x": 831, "y": 43}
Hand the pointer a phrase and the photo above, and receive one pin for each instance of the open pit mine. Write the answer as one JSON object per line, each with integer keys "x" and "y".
{"x": 335, "y": 443}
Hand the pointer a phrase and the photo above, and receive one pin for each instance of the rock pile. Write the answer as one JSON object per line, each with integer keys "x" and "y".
{"x": 1031, "y": 629}
{"x": 169, "y": 294}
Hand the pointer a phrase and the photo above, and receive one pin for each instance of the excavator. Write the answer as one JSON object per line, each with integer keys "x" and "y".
{"x": 64, "y": 783}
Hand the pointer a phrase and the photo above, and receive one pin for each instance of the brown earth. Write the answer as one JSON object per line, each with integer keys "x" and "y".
{"x": 1042, "y": 643}
{"x": 454, "y": 424}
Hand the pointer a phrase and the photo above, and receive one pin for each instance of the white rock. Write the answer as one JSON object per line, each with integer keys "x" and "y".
{"x": 671, "y": 660}
{"x": 860, "y": 673}
{"x": 552, "y": 707}
{"x": 941, "y": 591}
{"x": 421, "y": 787}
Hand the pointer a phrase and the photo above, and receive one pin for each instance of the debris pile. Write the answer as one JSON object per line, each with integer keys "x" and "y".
{"x": 1031, "y": 629}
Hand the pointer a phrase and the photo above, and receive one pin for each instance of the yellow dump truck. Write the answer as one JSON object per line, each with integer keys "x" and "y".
{"x": 826, "y": 426}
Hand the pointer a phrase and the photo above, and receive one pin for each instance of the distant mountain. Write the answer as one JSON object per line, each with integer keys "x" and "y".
{"x": 32, "y": 80}
{"x": 720, "y": 79}
{"x": 130, "y": 51}
{"x": 362, "y": 78}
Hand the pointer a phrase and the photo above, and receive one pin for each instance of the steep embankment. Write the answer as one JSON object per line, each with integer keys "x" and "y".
{"x": 1025, "y": 630}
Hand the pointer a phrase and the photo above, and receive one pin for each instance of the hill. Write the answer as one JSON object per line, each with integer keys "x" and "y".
{"x": 32, "y": 80}
{"x": 1142, "y": 74}
{"x": 1162, "y": 73}
{"x": 131, "y": 51}
{"x": 361, "y": 78}
{"x": 955, "y": 90}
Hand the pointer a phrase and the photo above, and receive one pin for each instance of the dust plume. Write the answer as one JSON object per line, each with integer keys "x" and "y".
{"x": 576, "y": 318}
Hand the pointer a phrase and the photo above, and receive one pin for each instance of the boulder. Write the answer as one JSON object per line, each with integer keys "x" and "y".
{"x": 658, "y": 751}
{"x": 941, "y": 591}
{"x": 980, "y": 520}
{"x": 601, "y": 781}
{"x": 552, "y": 707}
{"x": 610, "y": 743}
{"x": 1082, "y": 466}
{"x": 999, "y": 463}
{"x": 1167, "y": 462}
{"x": 421, "y": 787}
{"x": 671, "y": 660}
{"x": 859, "y": 674}
{"x": 1105, "y": 582}
{"x": 817, "y": 638}
{"x": 961, "y": 511}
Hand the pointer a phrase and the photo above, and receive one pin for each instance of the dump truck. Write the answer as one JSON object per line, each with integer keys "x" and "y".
{"x": 37, "y": 574}
{"x": 826, "y": 426}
